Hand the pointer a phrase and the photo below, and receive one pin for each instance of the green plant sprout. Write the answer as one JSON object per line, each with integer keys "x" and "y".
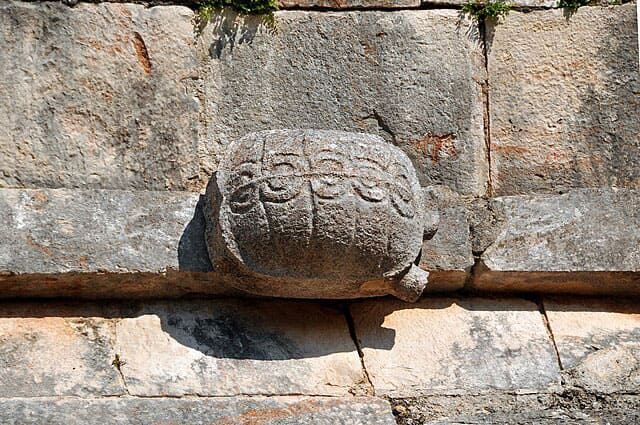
{"x": 207, "y": 8}
{"x": 481, "y": 10}
{"x": 572, "y": 4}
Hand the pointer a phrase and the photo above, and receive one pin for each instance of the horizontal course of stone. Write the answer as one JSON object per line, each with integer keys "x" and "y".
{"x": 270, "y": 361}
{"x": 329, "y": 5}
{"x": 119, "y": 96}
{"x": 127, "y": 98}
{"x": 111, "y": 243}
{"x": 223, "y": 411}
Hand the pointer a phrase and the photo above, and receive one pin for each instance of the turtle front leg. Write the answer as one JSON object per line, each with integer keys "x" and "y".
{"x": 409, "y": 286}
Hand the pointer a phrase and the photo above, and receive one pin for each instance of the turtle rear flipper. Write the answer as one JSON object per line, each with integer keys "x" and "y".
{"x": 409, "y": 287}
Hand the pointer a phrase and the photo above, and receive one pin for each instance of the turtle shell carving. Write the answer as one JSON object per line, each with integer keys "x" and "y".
{"x": 318, "y": 205}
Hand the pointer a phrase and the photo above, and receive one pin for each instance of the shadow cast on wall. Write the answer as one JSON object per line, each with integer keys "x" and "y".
{"x": 253, "y": 329}
{"x": 192, "y": 247}
{"x": 228, "y": 28}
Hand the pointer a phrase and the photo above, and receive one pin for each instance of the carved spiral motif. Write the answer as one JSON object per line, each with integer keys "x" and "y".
{"x": 330, "y": 174}
{"x": 317, "y": 204}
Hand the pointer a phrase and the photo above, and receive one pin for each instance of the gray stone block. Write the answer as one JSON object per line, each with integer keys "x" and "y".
{"x": 409, "y": 76}
{"x": 584, "y": 241}
{"x": 448, "y": 253}
{"x": 564, "y": 100}
{"x": 350, "y": 4}
{"x": 121, "y": 244}
{"x": 583, "y": 230}
{"x": 521, "y": 4}
{"x": 99, "y": 96}
{"x": 92, "y": 231}
{"x": 568, "y": 407}
{"x": 455, "y": 346}
{"x": 189, "y": 411}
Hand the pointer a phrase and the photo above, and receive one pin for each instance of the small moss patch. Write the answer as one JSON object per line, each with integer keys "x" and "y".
{"x": 207, "y": 8}
{"x": 573, "y": 4}
{"x": 487, "y": 9}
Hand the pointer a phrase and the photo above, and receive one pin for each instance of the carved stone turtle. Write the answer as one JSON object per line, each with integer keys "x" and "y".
{"x": 303, "y": 213}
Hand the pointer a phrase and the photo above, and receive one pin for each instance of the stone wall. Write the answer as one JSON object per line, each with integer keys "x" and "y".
{"x": 512, "y": 123}
{"x": 119, "y": 96}
{"x": 524, "y": 132}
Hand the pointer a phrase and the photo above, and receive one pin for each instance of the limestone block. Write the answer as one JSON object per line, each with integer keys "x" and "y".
{"x": 89, "y": 231}
{"x": 189, "y": 411}
{"x": 99, "y": 96}
{"x": 234, "y": 347}
{"x": 45, "y": 354}
{"x": 598, "y": 342}
{"x": 448, "y": 253}
{"x": 317, "y": 208}
{"x": 564, "y": 100}
{"x": 582, "y": 230}
{"x": 101, "y": 244}
{"x": 453, "y": 346}
{"x": 525, "y": 4}
{"x": 571, "y": 407}
{"x": 411, "y": 76}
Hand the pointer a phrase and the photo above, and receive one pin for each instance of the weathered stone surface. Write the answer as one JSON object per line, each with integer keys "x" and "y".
{"x": 99, "y": 96}
{"x": 447, "y": 255}
{"x": 121, "y": 244}
{"x": 449, "y": 346}
{"x": 222, "y": 411}
{"x": 564, "y": 100}
{"x": 318, "y": 206}
{"x": 583, "y": 230}
{"x": 598, "y": 342}
{"x": 350, "y": 4}
{"x": 58, "y": 230}
{"x": 568, "y": 407}
{"x": 583, "y": 242}
{"x": 525, "y": 4}
{"x": 233, "y": 347}
{"x": 56, "y": 352}
{"x": 412, "y": 77}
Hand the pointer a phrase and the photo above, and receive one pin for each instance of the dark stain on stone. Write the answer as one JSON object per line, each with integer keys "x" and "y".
{"x": 227, "y": 337}
{"x": 141, "y": 51}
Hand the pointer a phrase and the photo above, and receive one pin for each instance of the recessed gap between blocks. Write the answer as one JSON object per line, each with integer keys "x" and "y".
{"x": 545, "y": 320}
{"x": 370, "y": 391}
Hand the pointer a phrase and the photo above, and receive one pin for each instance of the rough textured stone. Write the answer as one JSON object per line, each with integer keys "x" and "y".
{"x": 449, "y": 346}
{"x": 598, "y": 342}
{"x": 564, "y": 100}
{"x": 121, "y": 244}
{"x": 583, "y": 230}
{"x": 524, "y": 4}
{"x": 233, "y": 347}
{"x": 317, "y": 206}
{"x": 350, "y": 4}
{"x": 59, "y": 230}
{"x": 567, "y": 407}
{"x": 99, "y": 96}
{"x": 582, "y": 242}
{"x": 56, "y": 352}
{"x": 412, "y": 77}
{"x": 447, "y": 255}
{"x": 222, "y": 411}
